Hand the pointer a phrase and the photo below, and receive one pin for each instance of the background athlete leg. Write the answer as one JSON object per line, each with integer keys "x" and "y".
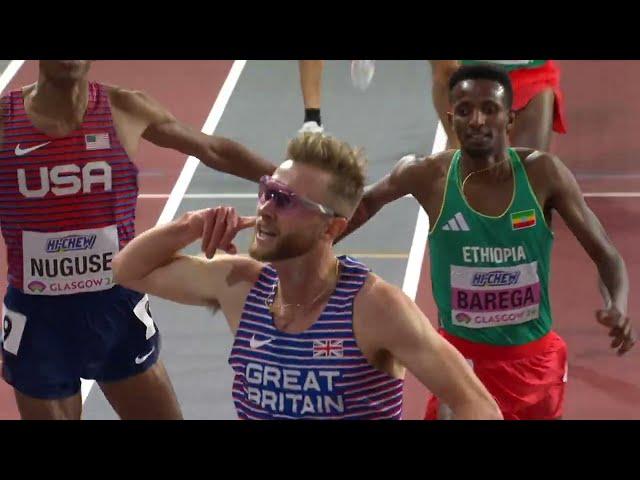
{"x": 533, "y": 124}
{"x": 311, "y": 82}
{"x": 146, "y": 396}
{"x": 31, "y": 408}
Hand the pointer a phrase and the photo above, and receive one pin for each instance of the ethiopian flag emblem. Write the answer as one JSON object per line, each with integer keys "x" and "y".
{"x": 524, "y": 219}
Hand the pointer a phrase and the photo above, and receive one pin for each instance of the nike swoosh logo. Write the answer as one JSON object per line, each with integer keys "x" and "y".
{"x": 255, "y": 344}
{"x": 20, "y": 152}
{"x": 139, "y": 360}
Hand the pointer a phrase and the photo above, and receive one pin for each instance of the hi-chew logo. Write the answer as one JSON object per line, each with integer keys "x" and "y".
{"x": 497, "y": 278}
{"x": 70, "y": 243}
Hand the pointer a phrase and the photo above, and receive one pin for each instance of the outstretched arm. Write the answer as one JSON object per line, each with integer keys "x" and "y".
{"x": 161, "y": 128}
{"x": 398, "y": 183}
{"x": 566, "y": 197}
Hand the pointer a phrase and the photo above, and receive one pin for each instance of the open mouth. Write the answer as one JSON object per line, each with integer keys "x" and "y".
{"x": 264, "y": 233}
{"x": 479, "y": 136}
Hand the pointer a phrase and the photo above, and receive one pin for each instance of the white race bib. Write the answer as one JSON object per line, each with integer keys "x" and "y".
{"x": 62, "y": 263}
{"x": 483, "y": 297}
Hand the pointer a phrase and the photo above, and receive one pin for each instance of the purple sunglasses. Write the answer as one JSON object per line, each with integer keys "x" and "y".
{"x": 286, "y": 199}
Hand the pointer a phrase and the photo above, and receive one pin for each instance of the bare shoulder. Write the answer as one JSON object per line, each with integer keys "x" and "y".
{"x": 537, "y": 160}
{"x": 439, "y": 163}
{"x": 545, "y": 170}
{"x": 379, "y": 303}
{"x": 419, "y": 171}
{"x": 125, "y": 98}
{"x": 434, "y": 163}
{"x": 135, "y": 102}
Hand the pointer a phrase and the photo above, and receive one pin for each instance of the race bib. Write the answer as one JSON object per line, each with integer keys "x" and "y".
{"x": 62, "y": 263}
{"x": 484, "y": 297}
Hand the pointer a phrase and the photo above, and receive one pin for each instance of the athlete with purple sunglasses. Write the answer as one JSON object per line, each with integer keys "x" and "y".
{"x": 316, "y": 336}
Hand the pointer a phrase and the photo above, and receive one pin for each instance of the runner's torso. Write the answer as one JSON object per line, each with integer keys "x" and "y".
{"x": 490, "y": 273}
{"x": 320, "y": 373}
{"x": 67, "y": 204}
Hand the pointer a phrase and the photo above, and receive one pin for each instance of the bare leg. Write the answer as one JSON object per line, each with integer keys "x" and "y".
{"x": 31, "y": 408}
{"x": 534, "y": 123}
{"x": 311, "y": 82}
{"x": 146, "y": 396}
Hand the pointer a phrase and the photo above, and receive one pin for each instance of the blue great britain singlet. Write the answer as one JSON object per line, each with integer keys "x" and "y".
{"x": 317, "y": 374}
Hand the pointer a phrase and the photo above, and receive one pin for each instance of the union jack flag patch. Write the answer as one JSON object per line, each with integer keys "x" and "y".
{"x": 328, "y": 348}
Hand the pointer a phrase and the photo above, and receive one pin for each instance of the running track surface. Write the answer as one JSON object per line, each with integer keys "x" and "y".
{"x": 598, "y": 148}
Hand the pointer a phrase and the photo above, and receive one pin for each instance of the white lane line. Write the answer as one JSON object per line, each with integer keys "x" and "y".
{"x": 419, "y": 243}
{"x": 9, "y": 73}
{"x": 612, "y": 194}
{"x": 179, "y": 189}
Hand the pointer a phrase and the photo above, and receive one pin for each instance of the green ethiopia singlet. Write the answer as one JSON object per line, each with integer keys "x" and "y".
{"x": 509, "y": 65}
{"x": 490, "y": 275}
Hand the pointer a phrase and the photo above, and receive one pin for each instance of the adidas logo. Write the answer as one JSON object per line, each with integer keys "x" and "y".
{"x": 456, "y": 224}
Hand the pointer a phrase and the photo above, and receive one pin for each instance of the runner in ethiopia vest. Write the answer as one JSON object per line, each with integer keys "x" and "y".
{"x": 68, "y": 192}
{"x": 490, "y": 282}
{"x": 490, "y": 275}
{"x": 490, "y": 245}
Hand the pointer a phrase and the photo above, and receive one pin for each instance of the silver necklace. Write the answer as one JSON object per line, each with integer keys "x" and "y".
{"x": 271, "y": 299}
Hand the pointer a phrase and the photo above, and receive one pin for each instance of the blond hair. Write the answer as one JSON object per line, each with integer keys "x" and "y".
{"x": 346, "y": 164}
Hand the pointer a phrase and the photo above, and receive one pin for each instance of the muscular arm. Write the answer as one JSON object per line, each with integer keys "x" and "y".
{"x": 567, "y": 199}
{"x": 398, "y": 183}
{"x": 151, "y": 263}
{"x": 161, "y": 128}
{"x": 402, "y": 330}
